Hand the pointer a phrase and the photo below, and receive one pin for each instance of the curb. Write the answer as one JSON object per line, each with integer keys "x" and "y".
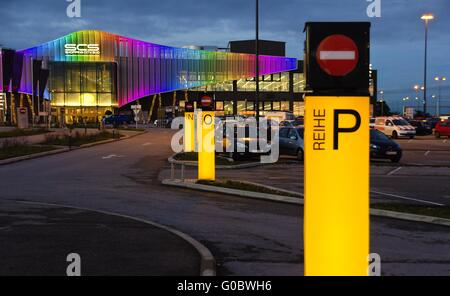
{"x": 32, "y": 156}
{"x": 207, "y": 264}
{"x": 221, "y": 167}
{"x": 236, "y": 192}
{"x": 189, "y": 184}
{"x": 410, "y": 217}
{"x": 62, "y": 150}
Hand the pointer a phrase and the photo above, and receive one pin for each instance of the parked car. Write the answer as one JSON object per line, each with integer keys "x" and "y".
{"x": 372, "y": 123}
{"x": 382, "y": 147}
{"x": 239, "y": 149}
{"x": 118, "y": 119}
{"x": 281, "y": 115}
{"x": 291, "y": 142}
{"x": 395, "y": 127}
{"x": 286, "y": 123}
{"x": 299, "y": 121}
{"x": 422, "y": 129}
{"x": 432, "y": 122}
{"x": 442, "y": 129}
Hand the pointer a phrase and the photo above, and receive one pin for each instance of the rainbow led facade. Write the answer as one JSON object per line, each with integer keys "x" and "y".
{"x": 144, "y": 69}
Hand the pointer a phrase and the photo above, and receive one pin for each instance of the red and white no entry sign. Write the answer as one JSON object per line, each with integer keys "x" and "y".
{"x": 337, "y": 55}
{"x": 206, "y": 101}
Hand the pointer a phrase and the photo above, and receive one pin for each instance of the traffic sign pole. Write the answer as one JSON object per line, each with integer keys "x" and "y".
{"x": 189, "y": 128}
{"x": 207, "y": 154}
{"x": 336, "y": 219}
{"x": 206, "y": 139}
{"x": 336, "y": 178}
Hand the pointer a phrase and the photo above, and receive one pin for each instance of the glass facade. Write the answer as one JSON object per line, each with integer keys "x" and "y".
{"x": 278, "y": 92}
{"x": 82, "y": 92}
{"x": 82, "y": 84}
{"x": 268, "y": 83}
{"x": 298, "y": 82}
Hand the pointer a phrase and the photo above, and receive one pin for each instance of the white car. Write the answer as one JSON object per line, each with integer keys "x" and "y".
{"x": 395, "y": 127}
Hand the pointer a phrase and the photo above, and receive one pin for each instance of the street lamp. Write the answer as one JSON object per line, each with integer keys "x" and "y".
{"x": 426, "y": 18}
{"x": 440, "y": 80}
{"x": 382, "y": 102}
{"x": 257, "y": 65}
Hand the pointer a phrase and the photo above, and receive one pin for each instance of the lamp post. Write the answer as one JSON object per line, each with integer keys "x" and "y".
{"x": 440, "y": 80}
{"x": 257, "y": 65}
{"x": 426, "y": 18}
{"x": 417, "y": 89}
{"x": 257, "y": 73}
{"x": 382, "y": 102}
{"x": 405, "y": 102}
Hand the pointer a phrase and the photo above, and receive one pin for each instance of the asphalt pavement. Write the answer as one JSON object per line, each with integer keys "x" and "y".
{"x": 37, "y": 239}
{"x": 247, "y": 237}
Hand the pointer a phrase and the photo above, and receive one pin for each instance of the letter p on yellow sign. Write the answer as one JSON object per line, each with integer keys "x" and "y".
{"x": 336, "y": 222}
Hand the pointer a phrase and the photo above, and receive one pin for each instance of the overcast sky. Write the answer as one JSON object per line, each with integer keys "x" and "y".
{"x": 397, "y": 37}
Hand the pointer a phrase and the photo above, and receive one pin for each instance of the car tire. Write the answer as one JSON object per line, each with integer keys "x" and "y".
{"x": 394, "y": 135}
{"x": 396, "y": 159}
{"x": 437, "y": 135}
{"x": 300, "y": 155}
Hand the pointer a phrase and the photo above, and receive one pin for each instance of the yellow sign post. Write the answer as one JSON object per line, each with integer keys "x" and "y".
{"x": 189, "y": 131}
{"x": 206, "y": 146}
{"x": 336, "y": 218}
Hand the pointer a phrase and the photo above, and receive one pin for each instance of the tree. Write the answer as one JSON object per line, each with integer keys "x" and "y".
{"x": 382, "y": 109}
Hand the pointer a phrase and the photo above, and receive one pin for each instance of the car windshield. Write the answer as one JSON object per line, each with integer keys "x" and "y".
{"x": 301, "y": 132}
{"x": 377, "y": 136}
{"x": 400, "y": 122}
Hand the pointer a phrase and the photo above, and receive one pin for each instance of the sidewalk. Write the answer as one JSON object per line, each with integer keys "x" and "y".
{"x": 37, "y": 139}
{"x": 36, "y": 240}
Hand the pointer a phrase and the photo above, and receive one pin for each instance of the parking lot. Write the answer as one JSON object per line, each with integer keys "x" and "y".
{"x": 421, "y": 177}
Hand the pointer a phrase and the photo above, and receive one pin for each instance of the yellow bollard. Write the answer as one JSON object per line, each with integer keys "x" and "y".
{"x": 336, "y": 211}
{"x": 189, "y": 128}
{"x": 206, "y": 146}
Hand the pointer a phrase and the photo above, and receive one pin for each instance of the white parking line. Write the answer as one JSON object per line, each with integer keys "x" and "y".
{"x": 410, "y": 140}
{"x": 407, "y": 198}
{"x": 394, "y": 171}
{"x": 112, "y": 156}
{"x": 445, "y": 141}
{"x": 147, "y": 144}
{"x": 426, "y": 153}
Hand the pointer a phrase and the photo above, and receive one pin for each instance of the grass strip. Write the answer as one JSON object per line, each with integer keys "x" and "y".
{"x": 244, "y": 186}
{"x": 432, "y": 211}
{"x": 12, "y": 152}
{"x": 22, "y": 133}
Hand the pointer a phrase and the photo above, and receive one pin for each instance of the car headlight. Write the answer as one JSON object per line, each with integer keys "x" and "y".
{"x": 375, "y": 147}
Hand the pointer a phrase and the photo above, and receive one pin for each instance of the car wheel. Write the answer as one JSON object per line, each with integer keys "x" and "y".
{"x": 437, "y": 135}
{"x": 394, "y": 135}
{"x": 396, "y": 159}
{"x": 300, "y": 155}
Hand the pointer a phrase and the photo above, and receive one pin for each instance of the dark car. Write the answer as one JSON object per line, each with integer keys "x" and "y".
{"x": 119, "y": 119}
{"x": 422, "y": 129}
{"x": 291, "y": 142}
{"x": 382, "y": 147}
{"x": 431, "y": 122}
